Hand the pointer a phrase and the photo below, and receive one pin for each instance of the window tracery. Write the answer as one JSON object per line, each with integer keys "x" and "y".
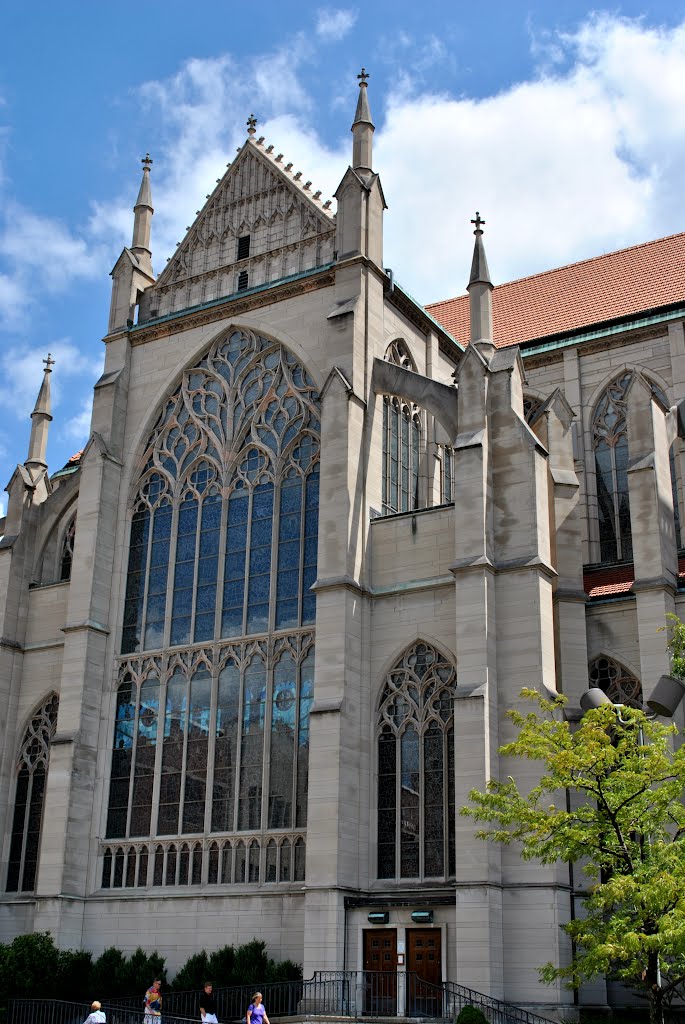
{"x": 401, "y": 441}
{"x": 610, "y": 445}
{"x": 416, "y": 815}
{"x": 32, "y": 771}
{"x": 616, "y": 681}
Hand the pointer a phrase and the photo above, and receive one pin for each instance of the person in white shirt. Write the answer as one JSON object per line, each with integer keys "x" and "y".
{"x": 96, "y": 1015}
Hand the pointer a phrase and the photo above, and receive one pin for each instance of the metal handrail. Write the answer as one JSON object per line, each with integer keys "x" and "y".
{"x": 329, "y": 993}
{"x": 58, "y": 1011}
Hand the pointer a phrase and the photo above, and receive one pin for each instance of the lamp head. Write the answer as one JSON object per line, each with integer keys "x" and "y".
{"x": 594, "y": 698}
{"x": 666, "y": 696}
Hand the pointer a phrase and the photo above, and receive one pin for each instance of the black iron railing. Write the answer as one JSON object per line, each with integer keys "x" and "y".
{"x": 352, "y": 994}
{"x": 54, "y": 1011}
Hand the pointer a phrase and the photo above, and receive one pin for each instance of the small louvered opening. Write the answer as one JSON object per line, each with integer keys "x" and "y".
{"x": 243, "y": 247}
{"x": 242, "y": 279}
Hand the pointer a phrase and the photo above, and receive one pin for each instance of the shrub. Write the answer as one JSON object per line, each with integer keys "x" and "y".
{"x": 470, "y": 1015}
{"x": 140, "y": 971}
{"x": 73, "y": 978}
{"x": 194, "y": 973}
{"x": 28, "y": 965}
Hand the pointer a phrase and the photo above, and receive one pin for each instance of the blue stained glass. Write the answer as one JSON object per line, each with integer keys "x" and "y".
{"x": 260, "y": 560}
{"x": 139, "y": 528}
{"x": 288, "y": 583}
{"x": 311, "y": 520}
{"x": 163, "y": 521}
{"x": 261, "y": 532}
{"x": 157, "y": 581}
{"x": 183, "y": 602}
{"x": 160, "y": 554}
{"x": 286, "y": 614}
{"x": 308, "y": 577}
{"x": 205, "y": 599}
{"x": 134, "y": 585}
{"x": 154, "y": 635}
{"x": 308, "y": 609}
{"x": 236, "y": 537}
{"x": 289, "y": 527}
{"x": 185, "y": 547}
{"x": 235, "y": 566}
{"x": 131, "y": 612}
{"x": 209, "y": 542}
{"x": 237, "y": 508}
{"x": 258, "y": 618}
{"x": 311, "y": 545}
{"x": 207, "y": 570}
{"x": 232, "y": 621}
{"x": 180, "y": 631}
{"x": 289, "y": 554}
{"x": 204, "y": 626}
{"x": 259, "y": 588}
{"x": 312, "y": 488}
{"x": 211, "y": 512}
{"x": 290, "y": 496}
{"x": 233, "y": 593}
{"x": 184, "y": 578}
{"x": 155, "y": 607}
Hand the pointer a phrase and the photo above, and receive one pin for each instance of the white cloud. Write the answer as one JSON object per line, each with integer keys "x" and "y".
{"x": 333, "y": 24}
{"x": 78, "y": 427}
{"x": 21, "y": 372}
{"x": 45, "y": 247}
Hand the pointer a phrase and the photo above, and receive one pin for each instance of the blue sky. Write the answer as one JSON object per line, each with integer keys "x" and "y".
{"x": 562, "y": 123}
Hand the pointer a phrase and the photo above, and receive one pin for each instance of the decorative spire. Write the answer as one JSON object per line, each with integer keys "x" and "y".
{"x": 480, "y": 287}
{"x": 142, "y": 221}
{"x": 251, "y": 125}
{"x": 362, "y": 127}
{"x": 40, "y": 418}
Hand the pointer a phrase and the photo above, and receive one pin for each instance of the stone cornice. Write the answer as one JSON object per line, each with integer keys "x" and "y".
{"x": 232, "y": 305}
{"x": 88, "y": 625}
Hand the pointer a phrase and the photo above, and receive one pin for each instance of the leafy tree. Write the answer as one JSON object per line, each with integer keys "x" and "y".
{"x": 194, "y": 973}
{"x": 72, "y": 979}
{"x": 628, "y": 833}
{"x": 28, "y": 966}
{"x": 109, "y": 977}
{"x": 140, "y": 971}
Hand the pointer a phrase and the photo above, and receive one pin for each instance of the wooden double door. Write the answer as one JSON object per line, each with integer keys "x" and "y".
{"x": 423, "y": 966}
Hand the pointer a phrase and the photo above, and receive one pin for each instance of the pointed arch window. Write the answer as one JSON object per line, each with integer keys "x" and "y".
{"x": 67, "y": 554}
{"x": 401, "y": 442}
{"x": 610, "y": 445}
{"x": 216, "y": 673}
{"x": 32, "y": 772}
{"x": 619, "y": 684}
{"x": 416, "y": 815}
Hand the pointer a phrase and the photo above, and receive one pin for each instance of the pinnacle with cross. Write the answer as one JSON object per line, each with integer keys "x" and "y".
{"x": 251, "y": 124}
{"x": 363, "y": 77}
{"x": 146, "y": 162}
{"x": 49, "y": 363}
{"x": 478, "y": 222}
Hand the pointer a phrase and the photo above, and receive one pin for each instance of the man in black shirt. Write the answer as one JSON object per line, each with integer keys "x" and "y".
{"x": 208, "y": 1005}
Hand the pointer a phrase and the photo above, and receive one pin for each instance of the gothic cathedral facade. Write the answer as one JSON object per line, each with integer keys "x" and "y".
{"x": 258, "y": 640}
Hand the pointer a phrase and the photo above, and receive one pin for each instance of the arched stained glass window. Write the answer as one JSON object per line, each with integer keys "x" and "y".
{"x": 401, "y": 442}
{"x": 416, "y": 817}
{"x": 217, "y": 670}
{"x": 610, "y": 443}
{"x": 619, "y": 684}
{"x": 32, "y": 772}
{"x": 67, "y": 555}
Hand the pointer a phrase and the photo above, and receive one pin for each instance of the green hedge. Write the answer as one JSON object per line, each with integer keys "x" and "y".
{"x": 32, "y": 967}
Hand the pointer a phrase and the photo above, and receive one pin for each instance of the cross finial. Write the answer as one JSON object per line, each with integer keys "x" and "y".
{"x": 49, "y": 363}
{"x": 146, "y": 162}
{"x": 251, "y": 124}
{"x": 363, "y": 77}
{"x": 478, "y": 222}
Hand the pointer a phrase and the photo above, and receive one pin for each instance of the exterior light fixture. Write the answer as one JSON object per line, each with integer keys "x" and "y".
{"x": 378, "y": 917}
{"x": 665, "y": 698}
{"x": 422, "y": 916}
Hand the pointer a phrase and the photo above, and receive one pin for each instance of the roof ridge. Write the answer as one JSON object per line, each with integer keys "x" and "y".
{"x": 294, "y": 179}
{"x": 565, "y": 266}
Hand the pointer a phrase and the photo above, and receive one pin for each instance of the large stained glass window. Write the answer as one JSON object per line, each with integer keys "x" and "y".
{"x": 610, "y": 444}
{"x": 216, "y": 674}
{"x": 32, "y": 773}
{"x": 401, "y": 442}
{"x": 416, "y": 816}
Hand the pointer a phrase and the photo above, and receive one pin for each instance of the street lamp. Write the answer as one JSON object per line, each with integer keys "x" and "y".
{"x": 665, "y": 698}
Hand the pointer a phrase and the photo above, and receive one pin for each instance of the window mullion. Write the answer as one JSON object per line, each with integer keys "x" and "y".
{"x": 137, "y": 686}
{"x": 422, "y": 798}
{"x": 24, "y": 842}
{"x": 266, "y": 739}
{"x": 275, "y": 539}
{"x": 398, "y": 805}
{"x": 171, "y": 572}
{"x": 196, "y": 567}
{"x": 211, "y": 749}
{"x": 616, "y": 503}
{"x": 146, "y": 581}
{"x": 161, "y": 718}
{"x": 186, "y": 729}
{"x": 221, "y": 566}
{"x": 239, "y": 743}
{"x": 248, "y": 548}
{"x": 296, "y": 737}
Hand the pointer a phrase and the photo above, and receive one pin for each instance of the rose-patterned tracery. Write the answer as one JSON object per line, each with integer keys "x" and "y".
{"x": 618, "y": 682}
{"x": 416, "y": 767}
{"x": 235, "y": 452}
{"x": 32, "y": 771}
{"x": 218, "y": 670}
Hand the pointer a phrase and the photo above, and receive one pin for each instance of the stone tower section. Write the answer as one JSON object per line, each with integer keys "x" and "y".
{"x": 262, "y": 223}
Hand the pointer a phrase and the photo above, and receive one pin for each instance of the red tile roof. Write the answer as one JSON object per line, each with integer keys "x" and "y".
{"x": 618, "y": 284}
{"x": 614, "y": 580}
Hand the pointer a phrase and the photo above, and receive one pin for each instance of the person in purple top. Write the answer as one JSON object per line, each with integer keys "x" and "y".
{"x": 256, "y": 1014}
